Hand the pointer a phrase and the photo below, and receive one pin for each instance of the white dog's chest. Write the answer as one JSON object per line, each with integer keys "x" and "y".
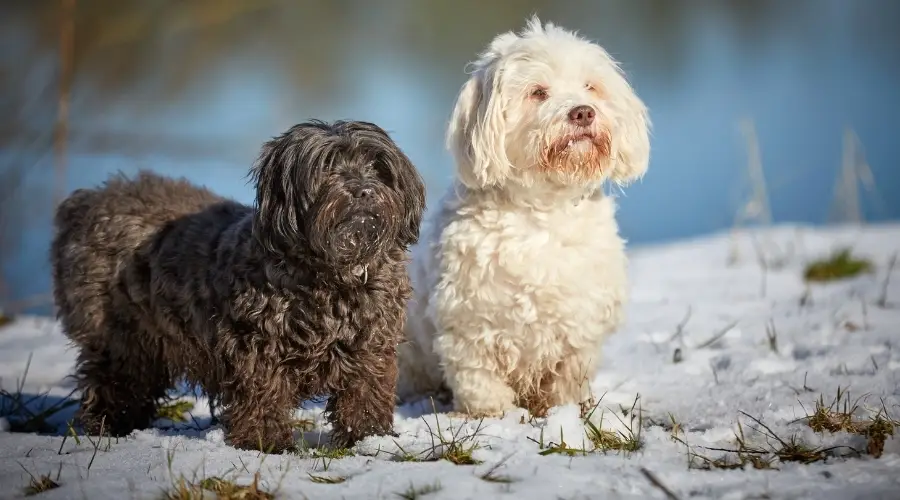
{"x": 541, "y": 277}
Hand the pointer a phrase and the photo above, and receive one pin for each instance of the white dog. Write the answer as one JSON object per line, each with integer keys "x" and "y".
{"x": 521, "y": 273}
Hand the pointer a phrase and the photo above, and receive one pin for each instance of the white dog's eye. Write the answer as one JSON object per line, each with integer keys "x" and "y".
{"x": 539, "y": 93}
{"x": 590, "y": 87}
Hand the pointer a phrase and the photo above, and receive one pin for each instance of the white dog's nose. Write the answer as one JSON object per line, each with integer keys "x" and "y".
{"x": 582, "y": 115}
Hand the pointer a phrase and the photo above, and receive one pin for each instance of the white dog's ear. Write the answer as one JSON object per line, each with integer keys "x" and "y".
{"x": 477, "y": 132}
{"x": 632, "y": 140}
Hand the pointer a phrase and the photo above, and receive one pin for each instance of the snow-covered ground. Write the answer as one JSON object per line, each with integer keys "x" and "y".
{"x": 787, "y": 344}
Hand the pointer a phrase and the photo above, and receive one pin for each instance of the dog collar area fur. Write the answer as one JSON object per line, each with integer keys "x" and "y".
{"x": 362, "y": 271}
{"x": 592, "y": 195}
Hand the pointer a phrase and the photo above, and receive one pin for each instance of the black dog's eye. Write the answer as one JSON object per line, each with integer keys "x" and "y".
{"x": 382, "y": 173}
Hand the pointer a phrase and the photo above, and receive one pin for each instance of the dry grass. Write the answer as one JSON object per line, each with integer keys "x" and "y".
{"x": 775, "y": 449}
{"x": 198, "y": 487}
{"x": 836, "y": 416}
{"x": 413, "y": 492}
{"x": 326, "y": 479}
{"x": 303, "y": 424}
{"x": 878, "y": 430}
{"x": 216, "y": 488}
{"x": 674, "y": 428}
{"x": 840, "y": 265}
{"x": 42, "y": 483}
{"x": 840, "y": 415}
{"x": 740, "y": 458}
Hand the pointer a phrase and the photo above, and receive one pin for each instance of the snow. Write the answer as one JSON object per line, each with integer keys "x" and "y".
{"x": 721, "y": 316}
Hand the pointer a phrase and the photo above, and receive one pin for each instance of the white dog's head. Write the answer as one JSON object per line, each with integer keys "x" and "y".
{"x": 546, "y": 106}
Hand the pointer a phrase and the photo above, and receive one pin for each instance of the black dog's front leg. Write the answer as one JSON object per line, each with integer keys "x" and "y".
{"x": 258, "y": 414}
{"x": 366, "y": 406}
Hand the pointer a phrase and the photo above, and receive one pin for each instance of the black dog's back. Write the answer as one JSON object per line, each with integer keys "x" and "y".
{"x": 99, "y": 236}
{"x": 99, "y": 230}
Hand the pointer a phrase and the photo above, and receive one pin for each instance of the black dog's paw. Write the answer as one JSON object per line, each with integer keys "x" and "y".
{"x": 349, "y": 439}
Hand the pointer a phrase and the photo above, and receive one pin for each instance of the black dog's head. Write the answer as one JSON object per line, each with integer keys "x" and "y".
{"x": 343, "y": 191}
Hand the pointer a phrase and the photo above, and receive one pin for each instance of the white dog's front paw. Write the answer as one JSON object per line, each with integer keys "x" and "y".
{"x": 481, "y": 393}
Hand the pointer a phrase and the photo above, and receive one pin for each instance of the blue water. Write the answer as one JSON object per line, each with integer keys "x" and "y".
{"x": 803, "y": 75}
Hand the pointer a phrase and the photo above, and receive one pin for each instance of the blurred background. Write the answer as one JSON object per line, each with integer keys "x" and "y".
{"x": 762, "y": 109}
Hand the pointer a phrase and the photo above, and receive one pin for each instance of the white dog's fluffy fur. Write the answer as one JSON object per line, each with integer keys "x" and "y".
{"x": 522, "y": 273}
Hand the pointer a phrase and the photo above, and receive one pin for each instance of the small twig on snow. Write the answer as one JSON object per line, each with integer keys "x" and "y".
{"x": 763, "y": 265}
{"x": 718, "y": 335}
{"x": 658, "y": 484}
{"x": 772, "y": 335}
{"x": 679, "y": 330}
{"x": 882, "y": 300}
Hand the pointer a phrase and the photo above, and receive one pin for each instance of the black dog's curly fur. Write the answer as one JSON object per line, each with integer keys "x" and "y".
{"x": 301, "y": 296}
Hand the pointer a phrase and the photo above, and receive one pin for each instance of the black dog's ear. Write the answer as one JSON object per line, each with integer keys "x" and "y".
{"x": 411, "y": 186}
{"x": 283, "y": 188}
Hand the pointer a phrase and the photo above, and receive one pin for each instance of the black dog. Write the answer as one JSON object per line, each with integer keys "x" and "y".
{"x": 303, "y": 295}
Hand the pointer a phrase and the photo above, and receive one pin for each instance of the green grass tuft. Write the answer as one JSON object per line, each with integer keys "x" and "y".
{"x": 453, "y": 446}
{"x": 561, "y": 448}
{"x": 628, "y": 440}
{"x": 175, "y": 411}
{"x": 332, "y": 453}
{"x": 216, "y": 488}
{"x": 200, "y": 487}
{"x": 840, "y": 265}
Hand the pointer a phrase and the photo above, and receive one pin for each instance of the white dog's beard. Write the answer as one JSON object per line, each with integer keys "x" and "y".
{"x": 580, "y": 148}
{"x": 574, "y": 159}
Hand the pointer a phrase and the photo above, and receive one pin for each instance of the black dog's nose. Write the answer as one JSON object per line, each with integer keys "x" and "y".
{"x": 582, "y": 115}
{"x": 363, "y": 193}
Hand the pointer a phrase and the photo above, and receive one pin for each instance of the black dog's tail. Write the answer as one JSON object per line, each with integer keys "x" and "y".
{"x": 72, "y": 208}
{"x": 70, "y": 215}
{"x": 75, "y": 207}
